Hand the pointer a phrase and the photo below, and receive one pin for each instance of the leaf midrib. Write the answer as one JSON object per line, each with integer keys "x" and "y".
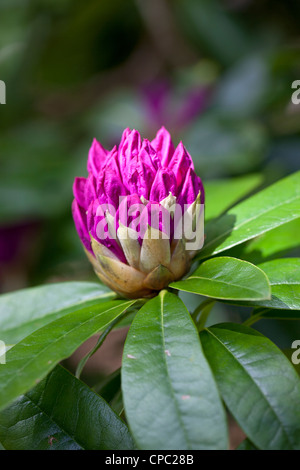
{"x": 284, "y": 283}
{"x": 168, "y": 375}
{"x": 226, "y": 283}
{"x": 40, "y": 352}
{"x": 52, "y": 420}
{"x": 236, "y": 227}
{"x": 63, "y": 309}
{"x": 257, "y": 386}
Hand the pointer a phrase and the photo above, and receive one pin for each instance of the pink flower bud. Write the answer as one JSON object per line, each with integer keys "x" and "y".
{"x": 131, "y": 209}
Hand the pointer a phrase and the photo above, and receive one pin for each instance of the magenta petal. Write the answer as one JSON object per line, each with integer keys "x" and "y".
{"x": 129, "y": 210}
{"x": 96, "y": 158}
{"x": 91, "y": 214}
{"x": 98, "y": 228}
{"x": 125, "y": 134}
{"x": 90, "y": 191}
{"x": 80, "y": 220}
{"x": 190, "y": 189}
{"x": 149, "y": 155}
{"x": 129, "y": 214}
{"x": 130, "y": 148}
{"x": 96, "y": 221}
{"x": 115, "y": 248}
{"x": 164, "y": 146}
{"x": 114, "y": 188}
{"x": 100, "y": 233}
{"x": 139, "y": 177}
{"x": 163, "y": 185}
{"x": 180, "y": 163}
{"x": 119, "y": 179}
{"x": 109, "y": 180}
{"x": 79, "y": 191}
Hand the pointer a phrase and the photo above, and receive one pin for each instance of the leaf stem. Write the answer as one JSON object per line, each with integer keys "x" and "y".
{"x": 101, "y": 339}
{"x": 201, "y": 313}
{"x": 255, "y": 317}
{"x": 173, "y": 291}
{"x": 251, "y": 320}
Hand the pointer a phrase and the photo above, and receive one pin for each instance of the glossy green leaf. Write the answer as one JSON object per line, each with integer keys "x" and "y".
{"x": 258, "y": 384}
{"x": 284, "y": 277}
{"x": 270, "y": 313}
{"x": 221, "y": 194}
{"x": 62, "y": 413}
{"x": 31, "y": 359}
{"x": 109, "y": 386}
{"x": 227, "y": 278}
{"x": 25, "y": 311}
{"x": 170, "y": 397}
{"x": 272, "y": 244}
{"x": 270, "y": 208}
{"x": 110, "y": 390}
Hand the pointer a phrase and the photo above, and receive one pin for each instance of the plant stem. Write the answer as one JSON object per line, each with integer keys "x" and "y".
{"x": 255, "y": 317}
{"x": 173, "y": 291}
{"x": 201, "y": 313}
{"x": 100, "y": 341}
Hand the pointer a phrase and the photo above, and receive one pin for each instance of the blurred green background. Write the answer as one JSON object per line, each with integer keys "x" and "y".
{"x": 216, "y": 73}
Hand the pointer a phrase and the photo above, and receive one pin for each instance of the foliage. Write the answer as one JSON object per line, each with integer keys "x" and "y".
{"x": 177, "y": 373}
{"x": 218, "y": 75}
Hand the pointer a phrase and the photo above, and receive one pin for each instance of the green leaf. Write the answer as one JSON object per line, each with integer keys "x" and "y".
{"x": 25, "y": 311}
{"x": 62, "y": 413}
{"x": 170, "y": 397}
{"x": 246, "y": 445}
{"x": 31, "y": 359}
{"x": 284, "y": 277}
{"x": 202, "y": 312}
{"x": 258, "y": 384}
{"x": 272, "y": 244}
{"x": 270, "y": 313}
{"x": 221, "y": 194}
{"x": 110, "y": 389}
{"x": 227, "y": 278}
{"x": 109, "y": 386}
{"x": 270, "y": 208}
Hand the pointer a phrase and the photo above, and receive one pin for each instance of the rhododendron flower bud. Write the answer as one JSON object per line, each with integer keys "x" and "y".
{"x": 139, "y": 213}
